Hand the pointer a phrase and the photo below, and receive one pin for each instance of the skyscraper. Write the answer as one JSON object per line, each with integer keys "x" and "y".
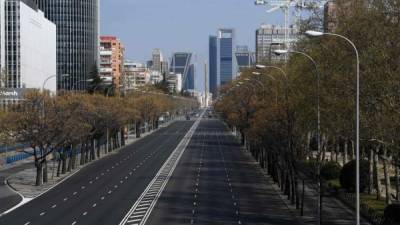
{"x": 189, "y": 83}
{"x": 180, "y": 64}
{"x": 223, "y": 66}
{"x": 244, "y": 58}
{"x": 77, "y": 39}
{"x": 270, "y": 38}
{"x": 157, "y": 59}
{"x": 212, "y": 54}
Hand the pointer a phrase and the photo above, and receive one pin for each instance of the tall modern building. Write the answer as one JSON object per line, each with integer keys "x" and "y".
{"x": 190, "y": 79}
{"x": 157, "y": 58}
{"x": 180, "y": 64}
{"x": 27, "y": 49}
{"x": 244, "y": 57}
{"x": 111, "y": 59}
{"x": 77, "y": 24}
{"x": 223, "y": 65}
{"x": 270, "y": 38}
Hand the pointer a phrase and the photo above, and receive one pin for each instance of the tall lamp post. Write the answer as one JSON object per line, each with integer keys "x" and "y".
{"x": 286, "y": 52}
{"x": 312, "y": 33}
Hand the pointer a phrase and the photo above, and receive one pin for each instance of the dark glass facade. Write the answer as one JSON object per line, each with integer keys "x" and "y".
{"x": 189, "y": 84}
{"x": 181, "y": 64}
{"x": 213, "y": 80}
{"x": 77, "y": 24}
{"x": 221, "y": 59}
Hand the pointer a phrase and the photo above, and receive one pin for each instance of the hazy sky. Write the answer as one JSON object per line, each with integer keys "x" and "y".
{"x": 180, "y": 25}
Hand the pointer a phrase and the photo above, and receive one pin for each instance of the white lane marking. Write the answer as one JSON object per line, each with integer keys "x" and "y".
{"x": 27, "y": 223}
{"x": 75, "y": 193}
{"x": 73, "y": 223}
{"x": 94, "y": 205}
{"x": 84, "y": 214}
{"x": 42, "y": 213}
{"x": 164, "y": 173}
{"x": 109, "y": 192}
{"x": 102, "y": 198}
{"x": 54, "y": 206}
{"x": 65, "y": 199}
{"x": 83, "y": 187}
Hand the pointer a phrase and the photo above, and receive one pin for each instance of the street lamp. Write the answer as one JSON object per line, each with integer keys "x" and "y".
{"x": 276, "y": 85}
{"x": 286, "y": 52}
{"x": 313, "y": 33}
{"x": 52, "y": 76}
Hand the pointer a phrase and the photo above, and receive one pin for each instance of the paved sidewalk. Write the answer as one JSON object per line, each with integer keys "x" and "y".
{"x": 334, "y": 211}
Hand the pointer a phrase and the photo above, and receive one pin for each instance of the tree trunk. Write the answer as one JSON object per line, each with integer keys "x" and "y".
{"x": 337, "y": 151}
{"x": 376, "y": 175}
{"x": 371, "y": 171}
{"x": 39, "y": 174}
{"x": 387, "y": 176}
{"x": 64, "y": 163}
{"x": 396, "y": 169}
{"x": 353, "y": 155}
{"x": 345, "y": 152}
{"x": 73, "y": 158}
{"x": 92, "y": 150}
{"x": 59, "y": 168}
{"x": 45, "y": 171}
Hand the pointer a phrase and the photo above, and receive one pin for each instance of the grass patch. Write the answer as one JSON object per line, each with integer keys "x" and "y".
{"x": 370, "y": 200}
{"x": 334, "y": 183}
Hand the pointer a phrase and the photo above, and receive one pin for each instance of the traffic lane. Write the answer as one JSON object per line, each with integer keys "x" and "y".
{"x": 9, "y": 198}
{"x": 198, "y": 192}
{"x": 227, "y": 177}
{"x": 125, "y": 196}
{"x": 77, "y": 190}
{"x": 175, "y": 204}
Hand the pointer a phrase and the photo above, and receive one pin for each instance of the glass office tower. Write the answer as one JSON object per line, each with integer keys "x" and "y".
{"x": 180, "y": 64}
{"x": 77, "y": 24}
{"x": 212, "y": 61}
{"x": 223, "y": 66}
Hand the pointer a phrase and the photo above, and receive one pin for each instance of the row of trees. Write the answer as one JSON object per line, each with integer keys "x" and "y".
{"x": 277, "y": 115}
{"x": 75, "y": 123}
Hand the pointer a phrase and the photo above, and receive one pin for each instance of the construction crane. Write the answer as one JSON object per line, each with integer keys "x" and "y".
{"x": 285, "y": 6}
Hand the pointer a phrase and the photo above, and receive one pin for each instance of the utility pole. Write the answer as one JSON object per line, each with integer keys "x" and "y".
{"x": 205, "y": 85}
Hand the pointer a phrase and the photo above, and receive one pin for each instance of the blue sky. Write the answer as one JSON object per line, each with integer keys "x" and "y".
{"x": 180, "y": 25}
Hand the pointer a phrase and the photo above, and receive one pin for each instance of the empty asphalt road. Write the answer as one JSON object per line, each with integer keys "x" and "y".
{"x": 216, "y": 183}
{"x": 104, "y": 191}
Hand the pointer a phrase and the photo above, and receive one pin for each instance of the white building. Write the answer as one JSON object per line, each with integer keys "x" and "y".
{"x": 155, "y": 77}
{"x": 135, "y": 74}
{"x": 27, "y": 47}
{"x": 174, "y": 82}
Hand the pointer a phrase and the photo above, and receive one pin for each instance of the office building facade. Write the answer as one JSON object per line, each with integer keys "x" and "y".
{"x": 244, "y": 57}
{"x": 222, "y": 61}
{"x": 180, "y": 64}
{"x": 111, "y": 59}
{"x": 77, "y": 39}
{"x": 157, "y": 59}
{"x": 27, "y": 49}
{"x": 270, "y": 38}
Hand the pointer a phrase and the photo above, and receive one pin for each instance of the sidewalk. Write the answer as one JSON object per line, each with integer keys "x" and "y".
{"x": 334, "y": 211}
{"x": 18, "y": 180}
